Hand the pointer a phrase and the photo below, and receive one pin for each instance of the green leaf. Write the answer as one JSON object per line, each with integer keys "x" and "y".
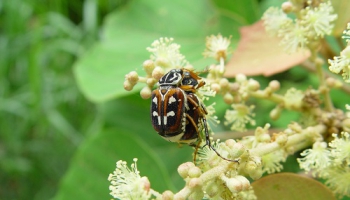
{"x": 288, "y": 186}
{"x": 245, "y": 12}
{"x": 87, "y": 176}
{"x": 100, "y": 72}
{"x": 129, "y": 134}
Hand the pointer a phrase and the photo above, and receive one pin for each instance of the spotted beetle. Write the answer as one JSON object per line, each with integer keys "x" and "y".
{"x": 168, "y": 106}
{"x": 177, "y": 114}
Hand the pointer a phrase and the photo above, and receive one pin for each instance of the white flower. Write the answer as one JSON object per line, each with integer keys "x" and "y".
{"x": 274, "y": 19}
{"x": 217, "y": 47}
{"x": 240, "y": 116}
{"x": 127, "y": 183}
{"x": 340, "y": 148}
{"x": 293, "y": 37}
{"x": 317, "y": 158}
{"x": 272, "y": 161}
{"x": 319, "y": 19}
{"x": 166, "y": 54}
{"x": 341, "y": 64}
{"x": 338, "y": 179}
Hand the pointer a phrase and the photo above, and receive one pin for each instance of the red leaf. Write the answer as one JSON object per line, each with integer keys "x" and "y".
{"x": 259, "y": 53}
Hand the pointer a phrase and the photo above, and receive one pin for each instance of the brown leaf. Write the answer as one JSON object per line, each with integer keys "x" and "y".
{"x": 259, "y": 53}
{"x": 289, "y": 186}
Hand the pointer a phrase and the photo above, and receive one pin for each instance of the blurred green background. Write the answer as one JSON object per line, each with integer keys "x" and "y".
{"x": 65, "y": 118}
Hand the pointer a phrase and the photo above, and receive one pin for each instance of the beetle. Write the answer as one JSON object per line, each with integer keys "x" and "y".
{"x": 177, "y": 113}
{"x": 168, "y": 106}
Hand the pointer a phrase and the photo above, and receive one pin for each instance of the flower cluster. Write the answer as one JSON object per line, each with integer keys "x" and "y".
{"x": 330, "y": 162}
{"x": 165, "y": 55}
{"x": 313, "y": 22}
{"x": 341, "y": 64}
{"x": 127, "y": 183}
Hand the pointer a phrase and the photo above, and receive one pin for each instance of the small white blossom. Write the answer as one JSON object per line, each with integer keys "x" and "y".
{"x": 341, "y": 64}
{"x": 317, "y": 158}
{"x": 338, "y": 180}
{"x": 240, "y": 116}
{"x": 217, "y": 47}
{"x": 166, "y": 54}
{"x": 127, "y": 183}
{"x": 205, "y": 92}
{"x": 274, "y": 19}
{"x": 293, "y": 37}
{"x": 272, "y": 161}
{"x": 319, "y": 19}
{"x": 340, "y": 148}
{"x": 206, "y": 154}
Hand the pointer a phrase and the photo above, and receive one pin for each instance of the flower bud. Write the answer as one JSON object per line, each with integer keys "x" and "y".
{"x": 234, "y": 185}
{"x": 146, "y": 92}
{"x": 184, "y": 168}
{"x": 287, "y": 7}
{"x": 237, "y": 150}
{"x": 253, "y": 85}
{"x": 158, "y": 73}
{"x": 167, "y": 195}
{"x": 128, "y": 86}
{"x": 146, "y": 183}
{"x": 275, "y": 113}
{"x": 195, "y": 182}
{"x": 240, "y": 78}
{"x": 148, "y": 66}
{"x": 132, "y": 77}
{"x": 245, "y": 182}
{"x": 256, "y": 174}
{"x": 250, "y": 166}
{"x": 216, "y": 87}
{"x": 228, "y": 98}
{"x": 234, "y": 87}
{"x": 274, "y": 85}
{"x": 224, "y": 83}
{"x": 150, "y": 82}
{"x": 194, "y": 172}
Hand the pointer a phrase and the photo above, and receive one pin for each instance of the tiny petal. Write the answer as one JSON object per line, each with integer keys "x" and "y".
{"x": 317, "y": 158}
{"x": 167, "y": 54}
{"x": 240, "y": 116}
{"x": 340, "y": 148}
{"x": 126, "y": 183}
{"x": 217, "y": 47}
{"x": 319, "y": 19}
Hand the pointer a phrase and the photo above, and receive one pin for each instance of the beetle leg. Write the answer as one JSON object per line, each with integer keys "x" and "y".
{"x": 190, "y": 119}
{"x": 207, "y": 142}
